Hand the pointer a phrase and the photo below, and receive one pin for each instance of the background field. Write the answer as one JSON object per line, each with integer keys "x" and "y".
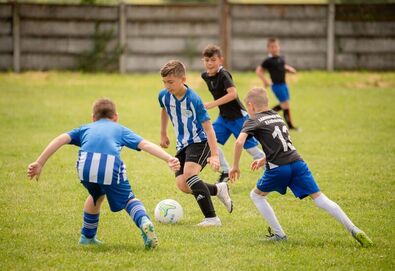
{"x": 347, "y": 139}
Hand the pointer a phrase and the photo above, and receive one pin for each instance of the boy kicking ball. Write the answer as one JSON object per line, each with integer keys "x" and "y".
{"x": 102, "y": 171}
{"x": 284, "y": 167}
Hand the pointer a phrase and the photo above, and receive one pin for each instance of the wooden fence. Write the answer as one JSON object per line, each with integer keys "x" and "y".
{"x": 42, "y": 37}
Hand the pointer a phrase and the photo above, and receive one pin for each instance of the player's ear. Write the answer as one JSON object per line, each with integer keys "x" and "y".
{"x": 184, "y": 79}
{"x": 115, "y": 117}
{"x": 93, "y": 118}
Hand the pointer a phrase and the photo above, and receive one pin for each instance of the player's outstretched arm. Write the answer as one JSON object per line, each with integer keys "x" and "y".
{"x": 289, "y": 68}
{"x": 164, "y": 120}
{"x": 213, "y": 160}
{"x": 156, "y": 151}
{"x": 230, "y": 96}
{"x": 260, "y": 72}
{"x": 234, "y": 173}
{"x": 34, "y": 169}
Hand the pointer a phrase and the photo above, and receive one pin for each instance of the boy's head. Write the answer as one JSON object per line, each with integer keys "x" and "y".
{"x": 104, "y": 108}
{"x": 256, "y": 100}
{"x": 273, "y": 46}
{"x": 173, "y": 76}
{"x": 212, "y": 58}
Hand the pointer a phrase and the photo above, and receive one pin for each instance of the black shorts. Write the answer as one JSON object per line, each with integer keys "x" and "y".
{"x": 196, "y": 152}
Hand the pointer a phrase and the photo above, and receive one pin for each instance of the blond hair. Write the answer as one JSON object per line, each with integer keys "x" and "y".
{"x": 104, "y": 108}
{"x": 258, "y": 97}
{"x": 173, "y": 67}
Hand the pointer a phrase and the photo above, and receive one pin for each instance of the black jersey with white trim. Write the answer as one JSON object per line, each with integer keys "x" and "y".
{"x": 218, "y": 85}
{"x": 272, "y": 133}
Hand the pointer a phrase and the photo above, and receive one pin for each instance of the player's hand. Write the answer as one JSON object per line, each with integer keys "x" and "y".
{"x": 34, "y": 170}
{"x": 214, "y": 162}
{"x": 174, "y": 164}
{"x": 258, "y": 163}
{"x": 234, "y": 174}
{"x": 209, "y": 105}
{"x": 164, "y": 141}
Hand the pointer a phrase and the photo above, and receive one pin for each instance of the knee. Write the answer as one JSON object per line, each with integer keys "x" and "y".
{"x": 183, "y": 187}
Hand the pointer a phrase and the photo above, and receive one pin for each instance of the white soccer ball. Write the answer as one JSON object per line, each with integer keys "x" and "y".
{"x": 168, "y": 211}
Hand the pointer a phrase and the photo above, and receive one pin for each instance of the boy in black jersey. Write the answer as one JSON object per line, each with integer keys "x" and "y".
{"x": 284, "y": 167}
{"x": 232, "y": 113}
{"x": 276, "y": 66}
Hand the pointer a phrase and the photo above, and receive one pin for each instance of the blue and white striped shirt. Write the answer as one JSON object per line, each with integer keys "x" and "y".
{"x": 99, "y": 157}
{"x": 186, "y": 115}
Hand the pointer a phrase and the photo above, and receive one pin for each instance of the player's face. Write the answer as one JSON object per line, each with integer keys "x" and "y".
{"x": 274, "y": 48}
{"x": 212, "y": 64}
{"x": 174, "y": 84}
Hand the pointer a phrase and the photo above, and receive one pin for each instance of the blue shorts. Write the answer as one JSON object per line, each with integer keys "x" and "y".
{"x": 224, "y": 128}
{"x": 281, "y": 92}
{"x": 295, "y": 175}
{"x": 118, "y": 195}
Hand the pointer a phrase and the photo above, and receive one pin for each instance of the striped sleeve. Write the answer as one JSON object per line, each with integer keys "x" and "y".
{"x": 201, "y": 112}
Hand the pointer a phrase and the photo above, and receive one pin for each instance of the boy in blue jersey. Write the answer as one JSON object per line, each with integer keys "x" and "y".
{"x": 196, "y": 142}
{"x": 102, "y": 171}
{"x": 275, "y": 65}
{"x": 232, "y": 113}
{"x": 284, "y": 167}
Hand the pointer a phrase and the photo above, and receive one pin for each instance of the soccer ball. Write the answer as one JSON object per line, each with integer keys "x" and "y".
{"x": 168, "y": 211}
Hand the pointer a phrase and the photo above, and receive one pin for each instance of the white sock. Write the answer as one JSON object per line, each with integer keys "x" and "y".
{"x": 267, "y": 212}
{"x": 332, "y": 208}
{"x": 256, "y": 153}
{"x": 222, "y": 161}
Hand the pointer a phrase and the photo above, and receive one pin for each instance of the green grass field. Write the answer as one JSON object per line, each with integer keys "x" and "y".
{"x": 348, "y": 124}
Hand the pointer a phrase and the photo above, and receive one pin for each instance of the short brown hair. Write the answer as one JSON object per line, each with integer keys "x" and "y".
{"x": 173, "y": 67}
{"x": 212, "y": 50}
{"x": 271, "y": 40}
{"x": 104, "y": 108}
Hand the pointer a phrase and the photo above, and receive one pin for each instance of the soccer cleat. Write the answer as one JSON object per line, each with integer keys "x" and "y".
{"x": 362, "y": 238}
{"x": 89, "y": 241}
{"x": 148, "y": 233}
{"x": 224, "y": 197}
{"x": 273, "y": 237}
{"x": 224, "y": 177}
{"x": 210, "y": 222}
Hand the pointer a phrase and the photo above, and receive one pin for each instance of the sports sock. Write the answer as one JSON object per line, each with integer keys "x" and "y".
{"x": 267, "y": 212}
{"x": 89, "y": 227}
{"x": 256, "y": 153}
{"x": 287, "y": 117}
{"x": 136, "y": 210}
{"x": 212, "y": 188}
{"x": 222, "y": 161}
{"x": 202, "y": 195}
{"x": 277, "y": 108}
{"x": 333, "y": 209}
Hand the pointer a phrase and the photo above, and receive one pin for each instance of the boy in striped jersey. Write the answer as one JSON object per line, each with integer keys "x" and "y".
{"x": 102, "y": 171}
{"x": 196, "y": 141}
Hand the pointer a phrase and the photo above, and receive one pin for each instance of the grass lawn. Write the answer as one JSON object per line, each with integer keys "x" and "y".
{"x": 348, "y": 124}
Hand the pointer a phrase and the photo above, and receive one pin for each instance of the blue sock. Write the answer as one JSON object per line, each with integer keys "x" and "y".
{"x": 136, "y": 211}
{"x": 91, "y": 222}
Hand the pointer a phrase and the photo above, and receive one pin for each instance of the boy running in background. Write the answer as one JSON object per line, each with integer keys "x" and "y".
{"x": 284, "y": 167}
{"x": 232, "y": 113}
{"x": 276, "y": 66}
{"x": 102, "y": 172}
{"x": 196, "y": 142}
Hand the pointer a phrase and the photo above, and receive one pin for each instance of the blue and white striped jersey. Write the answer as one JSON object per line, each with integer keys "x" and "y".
{"x": 100, "y": 145}
{"x": 186, "y": 115}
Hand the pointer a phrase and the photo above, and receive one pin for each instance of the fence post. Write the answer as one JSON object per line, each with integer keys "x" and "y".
{"x": 122, "y": 36}
{"x": 16, "y": 37}
{"x": 225, "y": 32}
{"x": 330, "y": 47}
